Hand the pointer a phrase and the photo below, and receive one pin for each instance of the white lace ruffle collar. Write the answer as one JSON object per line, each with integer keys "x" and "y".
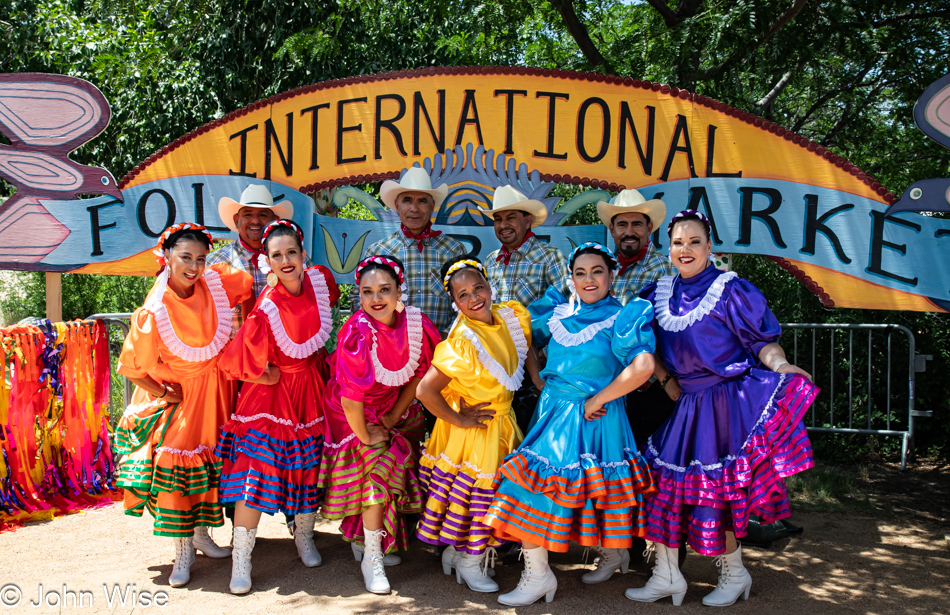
{"x": 664, "y": 292}
{"x": 564, "y": 337}
{"x": 512, "y": 382}
{"x": 401, "y": 376}
{"x": 289, "y": 347}
{"x": 193, "y": 354}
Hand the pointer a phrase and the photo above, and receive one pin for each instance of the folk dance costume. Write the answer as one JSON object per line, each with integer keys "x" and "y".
{"x": 736, "y": 432}
{"x": 574, "y": 479}
{"x": 371, "y": 364}
{"x": 458, "y": 466}
{"x": 273, "y": 443}
{"x": 169, "y": 467}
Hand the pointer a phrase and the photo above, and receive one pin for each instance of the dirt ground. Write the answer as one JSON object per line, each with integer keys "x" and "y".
{"x": 893, "y": 559}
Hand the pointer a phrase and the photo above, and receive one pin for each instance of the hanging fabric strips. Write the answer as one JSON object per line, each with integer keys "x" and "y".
{"x": 55, "y": 452}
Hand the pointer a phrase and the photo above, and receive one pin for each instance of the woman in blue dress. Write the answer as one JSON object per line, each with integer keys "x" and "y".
{"x": 578, "y": 476}
{"x": 736, "y": 432}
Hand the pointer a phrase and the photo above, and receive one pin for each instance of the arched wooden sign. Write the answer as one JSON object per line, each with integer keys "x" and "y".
{"x": 766, "y": 190}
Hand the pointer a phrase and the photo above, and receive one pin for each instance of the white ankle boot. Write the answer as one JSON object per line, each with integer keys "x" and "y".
{"x": 184, "y": 558}
{"x": 374, "y": 573}
{"x": 203, "y": 542}
{"x": 241, "y": 559}
{"x": 667, "y": 580}
{"x": 390, "y": 559}
{"x": 450, "y": 559}
{"x": 473, "y": 569}
{"x": 610, "y": 561}
{"x": 734, "y": 581}
{"x": 537, "y": 580}
{"x": 303, "y": 537}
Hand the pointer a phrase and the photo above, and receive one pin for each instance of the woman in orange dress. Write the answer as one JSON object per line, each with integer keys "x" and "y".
{"x": 274, "y": 441}
{"x": 169, "y": 431}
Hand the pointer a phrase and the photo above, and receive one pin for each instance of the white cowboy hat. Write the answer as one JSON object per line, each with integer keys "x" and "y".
{"x": 507, "y": 198}
{"x": 631, "y": 202}
{"x": 255, "y": 195}
{"x": 413, "y": 180}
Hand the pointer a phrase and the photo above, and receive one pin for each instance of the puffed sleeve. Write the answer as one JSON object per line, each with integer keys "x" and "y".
{"x": 140, "y": 349}
{"x": 524, "y": 318}
{"x": 430, "y": 339}
{"x": 633, "y": 331}
{"x": 353, "y": 363}
{"x": 458, "y": 359}
{"x": 748, "y": 316}
{"x": 331, "y": 283}
{"x": 541, "y": 311}
{"x": 238, "y": 284}
{"x": 246, "y": 356}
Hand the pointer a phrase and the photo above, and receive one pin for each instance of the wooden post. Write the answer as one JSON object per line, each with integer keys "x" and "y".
{"x": 54, "y": 296}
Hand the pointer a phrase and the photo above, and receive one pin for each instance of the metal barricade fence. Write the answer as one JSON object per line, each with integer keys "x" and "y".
{"x": 860, "y": 369}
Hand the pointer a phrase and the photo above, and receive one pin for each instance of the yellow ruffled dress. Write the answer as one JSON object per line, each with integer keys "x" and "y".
{"x": 458, "y": 466}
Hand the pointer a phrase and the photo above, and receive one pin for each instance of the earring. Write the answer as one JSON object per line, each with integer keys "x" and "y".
{"x": 455, "y": 307}
{"x": 494, "y": 294}
{"x": 272, "y": 279}
{"x": 400, "y": 306}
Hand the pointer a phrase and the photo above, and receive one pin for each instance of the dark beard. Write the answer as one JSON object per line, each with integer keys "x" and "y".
{"x": 632, "y": 252}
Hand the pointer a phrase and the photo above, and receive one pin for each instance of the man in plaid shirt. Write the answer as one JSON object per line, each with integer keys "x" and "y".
{"x": 524, "y": 267}
{"x": 248, "y": 218}
{"x": 421, "y": 249}
{"x": 630, "y": 221}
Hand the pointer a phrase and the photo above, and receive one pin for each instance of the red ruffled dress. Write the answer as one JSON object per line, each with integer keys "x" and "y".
{"x": 273, "y": 443}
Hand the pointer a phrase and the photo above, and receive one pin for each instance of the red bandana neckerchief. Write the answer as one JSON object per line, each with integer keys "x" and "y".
{"x": 255, "y": 252}
{"x": 421, "y": 237}
{"x": 505, "y": 253}
{"x": 626, "y": 263}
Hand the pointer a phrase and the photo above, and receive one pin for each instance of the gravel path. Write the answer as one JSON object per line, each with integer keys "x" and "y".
{"x": 898, "y": 563}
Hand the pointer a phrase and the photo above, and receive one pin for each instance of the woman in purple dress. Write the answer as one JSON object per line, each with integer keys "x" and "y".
{"x": 737, "y": 431}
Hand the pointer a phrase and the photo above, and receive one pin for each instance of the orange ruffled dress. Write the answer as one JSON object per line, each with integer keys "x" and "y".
{"x": 170, "y": 467}
{"x": 274, "y": 441}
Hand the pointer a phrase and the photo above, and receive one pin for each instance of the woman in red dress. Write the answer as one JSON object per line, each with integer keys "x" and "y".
{"x": 273, "y": 443}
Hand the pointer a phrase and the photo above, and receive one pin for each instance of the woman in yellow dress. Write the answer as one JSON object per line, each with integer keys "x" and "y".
{"x": 181, "y": 399}
{"x": 474, "y": 375}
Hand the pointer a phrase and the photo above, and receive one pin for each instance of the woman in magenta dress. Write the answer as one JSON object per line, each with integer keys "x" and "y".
{"x": 737, "y": 429}
{"x": 272, "y": 445}
{"x": 373, "y": 422}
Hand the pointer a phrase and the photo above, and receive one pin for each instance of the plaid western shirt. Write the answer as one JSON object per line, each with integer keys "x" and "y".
{"x": 650, "y": 269}
{"x": 532, "y": 268}
{"x": 235, "y": 255}
{"x": 422, "y": 272}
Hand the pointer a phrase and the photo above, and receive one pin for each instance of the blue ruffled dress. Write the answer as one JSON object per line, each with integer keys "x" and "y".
{"x": 573, "y": 479}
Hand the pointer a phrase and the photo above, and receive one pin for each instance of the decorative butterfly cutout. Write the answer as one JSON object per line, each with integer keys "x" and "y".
{"x": 46, "y": 117}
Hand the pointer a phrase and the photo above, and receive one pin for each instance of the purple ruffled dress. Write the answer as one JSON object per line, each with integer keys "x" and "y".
{"x": 737, "y": 430}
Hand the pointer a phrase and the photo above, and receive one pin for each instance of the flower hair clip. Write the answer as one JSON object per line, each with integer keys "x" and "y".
{"x": 262, "y": 264}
